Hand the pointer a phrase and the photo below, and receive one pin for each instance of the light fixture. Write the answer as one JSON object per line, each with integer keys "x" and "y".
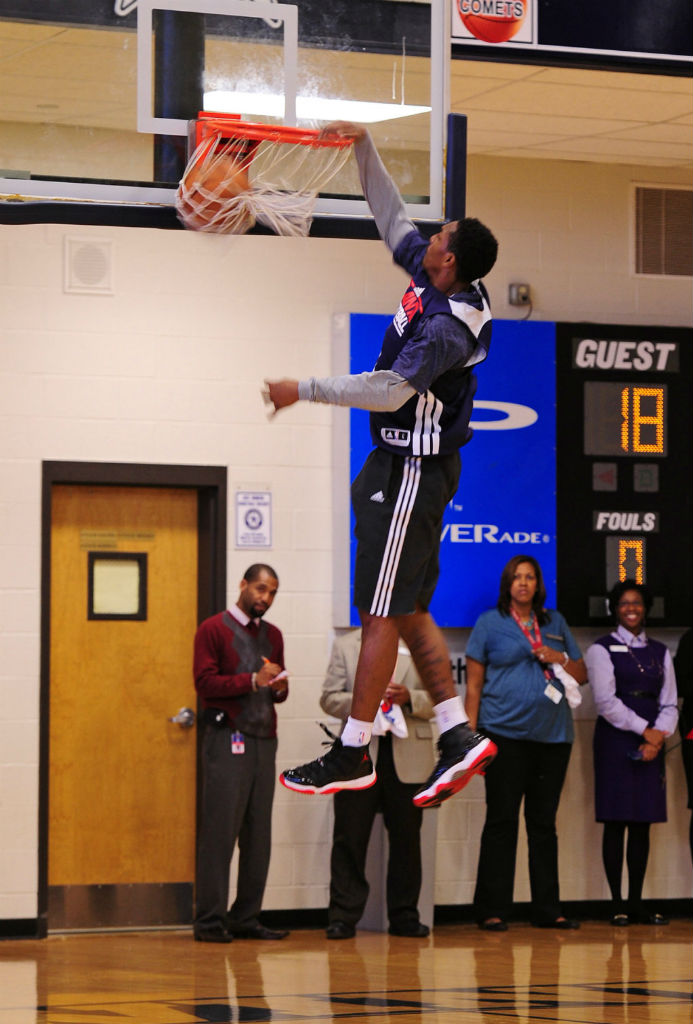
{"x": 308, "y": 108}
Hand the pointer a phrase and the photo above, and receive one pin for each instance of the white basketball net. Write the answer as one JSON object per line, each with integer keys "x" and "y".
{"x": 285, "y": 179}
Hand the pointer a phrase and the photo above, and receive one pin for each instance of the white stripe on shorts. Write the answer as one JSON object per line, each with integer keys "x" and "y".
{"x": 408, "y": 490}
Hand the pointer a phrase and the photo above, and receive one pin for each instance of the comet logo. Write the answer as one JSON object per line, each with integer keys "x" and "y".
{"x": 493, "y": 21}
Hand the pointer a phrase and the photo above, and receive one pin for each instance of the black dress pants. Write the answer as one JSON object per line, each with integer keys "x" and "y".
{"x": 354, "y": 813}
{"x": 535, "y": 772}
{"x": 237, "y": 795}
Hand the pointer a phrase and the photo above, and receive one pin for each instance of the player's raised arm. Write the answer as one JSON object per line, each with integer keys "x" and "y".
{"x": 378, "y": 187}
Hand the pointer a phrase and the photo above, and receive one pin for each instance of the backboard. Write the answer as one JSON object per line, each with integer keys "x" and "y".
{"x": 123, "y": 80}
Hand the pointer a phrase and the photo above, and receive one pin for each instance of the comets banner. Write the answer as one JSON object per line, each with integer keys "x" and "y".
{"x": 634, "y": 28}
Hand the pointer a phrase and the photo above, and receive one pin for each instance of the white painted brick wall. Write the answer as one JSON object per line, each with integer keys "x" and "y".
{"x": 168, "y": 369}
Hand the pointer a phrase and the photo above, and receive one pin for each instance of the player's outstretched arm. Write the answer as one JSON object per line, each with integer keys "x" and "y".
{"x": 376, "y": 390}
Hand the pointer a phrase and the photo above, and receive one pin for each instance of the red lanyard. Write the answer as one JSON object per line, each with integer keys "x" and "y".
{"x": 534, "y": 641}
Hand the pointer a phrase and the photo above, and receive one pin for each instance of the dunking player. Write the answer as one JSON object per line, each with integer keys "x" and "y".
{"x": 420, "y": 398}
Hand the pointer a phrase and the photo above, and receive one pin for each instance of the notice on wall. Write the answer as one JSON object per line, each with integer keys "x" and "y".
{"x": 253, "y": 519}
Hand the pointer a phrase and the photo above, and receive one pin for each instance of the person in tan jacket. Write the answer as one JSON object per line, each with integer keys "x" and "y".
{"x": 403, "y": 753}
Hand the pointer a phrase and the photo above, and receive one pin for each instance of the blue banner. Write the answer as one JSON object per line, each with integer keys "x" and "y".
{"x": 506, "y": 503}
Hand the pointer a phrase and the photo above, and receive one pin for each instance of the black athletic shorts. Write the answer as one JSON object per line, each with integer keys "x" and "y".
{"x": 398, "y": 504}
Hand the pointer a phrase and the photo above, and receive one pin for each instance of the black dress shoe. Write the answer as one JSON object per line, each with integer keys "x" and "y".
{"x": 620, "y": 920}
{"x": 340, "y": 930}
{"x": 656, "y": 919}
{"x": 257, "y": 931}
{"x": 415, "y": 930}
{"x": 565, "y": 924}
{"x": 217, "y": 934}
{"x": 498, "y": 925}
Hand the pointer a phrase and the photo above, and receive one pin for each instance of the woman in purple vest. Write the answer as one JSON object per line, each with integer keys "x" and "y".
{"x": 634, "y": 690}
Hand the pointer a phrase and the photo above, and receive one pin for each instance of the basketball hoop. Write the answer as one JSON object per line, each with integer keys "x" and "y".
{"x": 240, "y": 173}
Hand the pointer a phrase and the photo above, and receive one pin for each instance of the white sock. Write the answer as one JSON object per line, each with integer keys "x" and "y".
{"x": 356, "y": 734}
{"x": 449, "y": 713}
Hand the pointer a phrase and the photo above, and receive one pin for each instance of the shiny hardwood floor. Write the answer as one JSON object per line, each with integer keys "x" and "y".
{"x": 598, "y": 975}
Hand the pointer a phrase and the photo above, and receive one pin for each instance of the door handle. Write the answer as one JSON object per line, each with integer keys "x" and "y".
{"x": 185, "y": 718}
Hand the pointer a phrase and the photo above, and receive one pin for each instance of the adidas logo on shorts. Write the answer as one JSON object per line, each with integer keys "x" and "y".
{"x": 378, "y": 496}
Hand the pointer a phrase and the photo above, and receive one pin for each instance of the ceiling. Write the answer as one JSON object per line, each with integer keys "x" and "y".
{"x": 571, "y": 114}
{"x": 60, "y": 75}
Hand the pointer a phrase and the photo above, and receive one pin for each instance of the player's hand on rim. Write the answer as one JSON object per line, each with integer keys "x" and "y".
{"x": 345, "y": 130}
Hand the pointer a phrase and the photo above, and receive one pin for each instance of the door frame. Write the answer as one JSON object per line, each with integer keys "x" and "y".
{"x": 210, "y": 482}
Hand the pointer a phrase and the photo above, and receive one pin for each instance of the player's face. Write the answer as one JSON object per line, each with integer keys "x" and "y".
{"x": 257, "y": 595}
{"x": 524, "y": 584}
{"x": 631, "y": 611}
{"x": 438, "y": 247}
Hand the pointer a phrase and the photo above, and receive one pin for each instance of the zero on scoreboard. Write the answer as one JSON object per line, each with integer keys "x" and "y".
{"x": 623, "y": 440}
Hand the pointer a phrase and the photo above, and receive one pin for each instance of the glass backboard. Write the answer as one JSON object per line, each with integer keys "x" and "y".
{"x": 95, "y": 95}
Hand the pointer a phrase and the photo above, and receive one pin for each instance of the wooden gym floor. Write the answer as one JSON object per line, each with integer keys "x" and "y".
{"x": 598, "y": 975}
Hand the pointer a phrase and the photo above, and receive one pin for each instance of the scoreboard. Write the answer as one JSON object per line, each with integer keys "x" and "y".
{"x": 623, "y": 482}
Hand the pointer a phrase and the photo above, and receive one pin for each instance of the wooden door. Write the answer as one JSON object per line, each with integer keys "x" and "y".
{"x": 121, "y": 832}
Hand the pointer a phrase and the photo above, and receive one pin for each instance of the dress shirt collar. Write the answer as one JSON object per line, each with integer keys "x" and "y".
{"x": 628, "y": 638}
{"x": 240, "y": 616}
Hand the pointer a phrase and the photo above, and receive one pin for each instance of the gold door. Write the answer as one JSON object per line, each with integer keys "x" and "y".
{"x": 121, "y": 839}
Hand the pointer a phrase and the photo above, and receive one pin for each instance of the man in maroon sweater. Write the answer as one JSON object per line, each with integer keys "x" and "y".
{"x": 239, "y": 676}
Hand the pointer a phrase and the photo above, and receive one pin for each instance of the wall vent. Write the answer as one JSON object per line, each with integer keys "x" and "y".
{"x": 88, "y": 266}
{"x": 663, "y": 231}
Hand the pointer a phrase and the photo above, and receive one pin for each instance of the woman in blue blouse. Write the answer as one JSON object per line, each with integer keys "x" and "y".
{"x": 517, "y": 659}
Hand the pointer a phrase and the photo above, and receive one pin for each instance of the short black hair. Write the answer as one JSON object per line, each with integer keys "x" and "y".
{"x": 617, "y": 592}
{"x": 506, "y": 582}
{"x": 254, "y": 570}
{"x": 474, "y": 247}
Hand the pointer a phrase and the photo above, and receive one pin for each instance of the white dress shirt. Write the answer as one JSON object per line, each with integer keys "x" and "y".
{"x": 600, "y": 674}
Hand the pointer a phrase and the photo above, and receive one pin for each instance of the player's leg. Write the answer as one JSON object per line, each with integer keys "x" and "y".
{"x": 430, "y": 653}
{"x": 462, "y": 752}
{"x": 347, "y": 764}
{"x": 382, "y": 498}
{"x": 377, "y": 660}
{"x": 399, "y": 504}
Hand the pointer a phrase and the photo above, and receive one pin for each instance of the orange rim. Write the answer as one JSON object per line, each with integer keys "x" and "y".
{"x": 230, "y": 125}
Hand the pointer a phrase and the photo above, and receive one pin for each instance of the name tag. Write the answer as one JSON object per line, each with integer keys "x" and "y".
{"x": 618, "y": 647}
{"x": 553, "y": 693}
{"x": 237, "y": 743}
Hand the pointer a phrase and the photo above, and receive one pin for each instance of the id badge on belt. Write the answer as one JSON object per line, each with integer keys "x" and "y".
{"x": 237, "y": 743}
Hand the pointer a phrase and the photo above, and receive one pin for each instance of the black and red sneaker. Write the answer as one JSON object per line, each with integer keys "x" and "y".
{"x": 463, "y": 753}
{"x": 340, "y": 768}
